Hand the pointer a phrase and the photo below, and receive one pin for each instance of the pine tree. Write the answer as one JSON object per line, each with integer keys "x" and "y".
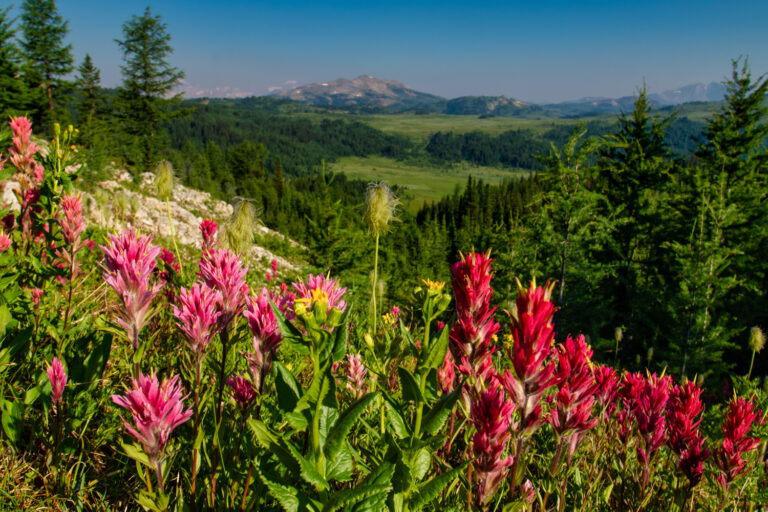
{"x": 48, "y": 59}
{"x": 89, "y": 84}
{"x": 147, "y": 79}
{"x": 279, "y": 184}
{"x": 13, "y": 90}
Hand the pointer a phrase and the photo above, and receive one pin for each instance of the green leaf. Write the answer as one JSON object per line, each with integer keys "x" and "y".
{"x": 349, "y": 497}
{"x": 396, "y": 420}
{"x": 409, "y": 386}
{"x": 5, "y": 318}
{"x": 344, "y": 425}
{"x": 436, "y": 353}
{"x": 288, "y": 331}
{"x": 288, "y": 390}
{"x": 435, "y": 418}
{"x": 607, "y": 490}
{"x": 273, "y": 444}
{"x": 422, "y": 461}
{"x": 341, "y": 466}
{"x": 407, "y": 335}
{"x": 342, "y": 336}
{"x": 382, "y": 475}
{"x": 288, "y": 496}
{"x": 12, "y": 413}
{"x": 431, "y": 490}
{"x": 135, "y": 452}
{"x": 297, "y": 421}
{"x": 308, "y": 471}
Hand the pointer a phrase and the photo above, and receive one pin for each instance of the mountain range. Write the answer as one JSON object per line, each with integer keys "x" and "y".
{"x": 369, "y": 94}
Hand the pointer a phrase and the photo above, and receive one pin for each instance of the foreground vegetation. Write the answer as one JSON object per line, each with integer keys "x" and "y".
{"x": 240, "y": 391}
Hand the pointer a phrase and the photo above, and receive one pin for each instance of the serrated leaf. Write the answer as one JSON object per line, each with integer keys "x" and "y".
{"x": 349, "y": 497}
{"x": 382, "y": 475}
{"x": 431, "y": 490}
{"x": 340, "y": 467}
{"x": 435, "y": 418}
{"x": 421, "y": 464}
{"x": 436, "y": 353}
{"x": 288, "y": 496}
{"x": 308, "y": 471}
{"x": 288, "y": 390}
{"x": 297, "y": 421}
{"x": 396, "y": 420}
{"x": 344, "y": 425}
{"x": 273, "y": 444}
{"x": 409, "y": 386}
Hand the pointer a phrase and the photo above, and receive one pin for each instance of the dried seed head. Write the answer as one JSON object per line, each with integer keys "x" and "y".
{"x": 756, "y": 339}
{"x": 164, "y": 180}
{"x": 618, "y": 334}
{"x": 238, "y": 230}
{"x": 380, "y": 208}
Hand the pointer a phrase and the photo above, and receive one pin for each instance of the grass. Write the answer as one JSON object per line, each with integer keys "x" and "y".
{"x": 424, "y": 183}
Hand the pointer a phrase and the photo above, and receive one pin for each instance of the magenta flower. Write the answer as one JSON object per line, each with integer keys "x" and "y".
{"x": 572, "y": 415}
{"x": 273, "y": 264}
{"x": 607, "y": 389}
{"x": 491, "y": 415}
{"x": 684, "y": 415}
{"x": 72, "y": 226}
{"x": 266, "y": 335}
{"x": 243, "y": 392}
{"x": 36, "y": 294}
{"x": 5, "y": 242}
{"x": 22, "y": 154}
{"x": 729, "y": 458}
{"x": 446, "y": 374}
{"x": 475, "y": 327}
{"x": 208, "y": 229}
{"x": 533, "y": 334}
{"x": 320, "y": 286}
{"x": 58, "y": 378}
{"x": 356, "y": 373}
{"x": 649, "y": 406}
{"x": 156, "y": 410}
{"x": 129, "y": 260}
{"x": 198, "y": 316}
{"x": 224, "y": 271}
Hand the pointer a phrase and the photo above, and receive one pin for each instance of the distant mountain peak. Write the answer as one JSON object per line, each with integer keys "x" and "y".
{"x": 364, "y": 90}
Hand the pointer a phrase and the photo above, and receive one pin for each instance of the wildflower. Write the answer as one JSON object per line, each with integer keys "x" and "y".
{"x": 198, "y": 315}
{"x": 533, "y": 334}
{"x": 273, "y": 264}
{"x": 243, "y": 392}
{"x": 58, "y": 378}
{"x": 36, "y": 294}
{"x": 72, "y": 224}
{"x": 396, "y": 312}
{"x": 318, "y": 288}
{"x": 164, "y": 180}
{"x": 380, "y": 208}
{"x": 238, "y": 230}
{"x": 683, "y": 421}
{"x": 208, "y": 229}
{"x": 156, "y": 410}
{"x": 491, "y": 415}
{"x": 22, "y": 154}
{"x": 575, "y": 397}
{"x": 649, "y": 410}
{"x": 446, "y": 374}
{"x": 756, "y": 339}
{"x": 356, "y": 373}
{"x": 129, "y": 260}
{"x": 5, "y": 242}
{"x": 266, "y": 335}
{"x": 169, "y": 259}
{"x": 224, "y": 271}
{"x": 475, "y": 327}
{"x": 729, "y": 458}
{"x": 607, "y": 389}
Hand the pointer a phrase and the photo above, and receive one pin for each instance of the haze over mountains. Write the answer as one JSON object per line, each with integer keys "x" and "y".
{"x": 367, "y": 92}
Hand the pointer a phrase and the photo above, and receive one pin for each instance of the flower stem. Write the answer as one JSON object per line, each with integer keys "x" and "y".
{"x": 173, "y": 237}
{"x": 373, "y": 284}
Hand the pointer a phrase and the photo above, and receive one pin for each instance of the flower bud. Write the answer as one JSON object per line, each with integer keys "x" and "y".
{"x": 618, "y": 334}
{"x": 368, "y": 341}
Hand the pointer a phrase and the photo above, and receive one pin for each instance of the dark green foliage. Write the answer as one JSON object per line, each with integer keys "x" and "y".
{"x": 48, "y": 59}
{"x": 148, "y": 77}
{"x": 14, "y": 94}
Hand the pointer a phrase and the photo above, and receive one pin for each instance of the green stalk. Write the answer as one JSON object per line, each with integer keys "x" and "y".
{"x": 173, "y": 236}
{"x": 375, "y": 280}
{"x": 751, "y": 363}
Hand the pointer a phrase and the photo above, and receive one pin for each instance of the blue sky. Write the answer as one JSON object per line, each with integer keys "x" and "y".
{"x": 535, "y": 51}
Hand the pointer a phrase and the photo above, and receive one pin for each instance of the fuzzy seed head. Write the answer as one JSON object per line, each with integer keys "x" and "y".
{"x": 164, "y": 180}
{"x": 756, "y": 339}
{"x": 238, "y": 230}
{"x": 380, "y": 208}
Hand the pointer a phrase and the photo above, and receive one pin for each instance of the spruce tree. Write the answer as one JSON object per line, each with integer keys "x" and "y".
{"x": 148, "y": 77}
{"x": 13, "y": 91}
{"x": 279, "y": 184}
{"x": 48, "y": 59}
{"x": 89, "y": 84}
